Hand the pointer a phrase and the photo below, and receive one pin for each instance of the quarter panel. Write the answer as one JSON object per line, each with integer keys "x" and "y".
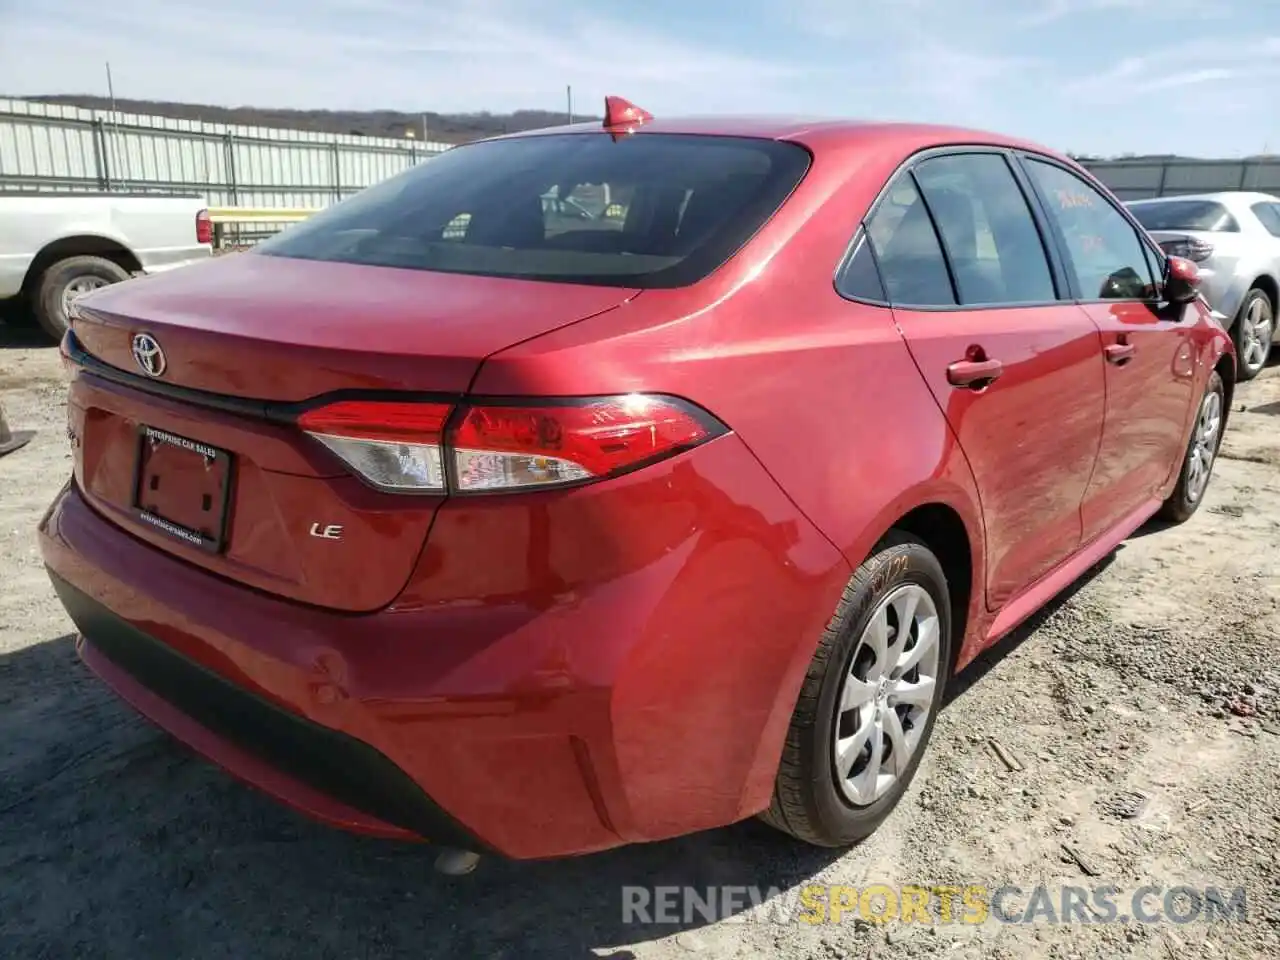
{"x": 822, "y": 390}
{"x": 1230, "y": 288}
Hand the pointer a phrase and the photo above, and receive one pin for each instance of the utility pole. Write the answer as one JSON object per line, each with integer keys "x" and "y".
{"x": 111, "y": 90}
{"x": 424, "y": 128}
{"x": 115, "y": 122}
{"x": 568, "y": 95}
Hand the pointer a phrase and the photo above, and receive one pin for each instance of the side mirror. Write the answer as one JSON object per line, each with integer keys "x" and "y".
{"x": 1181, "y": 280}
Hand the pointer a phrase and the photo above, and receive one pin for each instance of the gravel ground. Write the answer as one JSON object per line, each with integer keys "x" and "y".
{"x": 1141, "y": 710}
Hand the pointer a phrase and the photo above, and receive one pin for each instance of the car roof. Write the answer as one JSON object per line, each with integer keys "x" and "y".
{"x": 813, "y": 132}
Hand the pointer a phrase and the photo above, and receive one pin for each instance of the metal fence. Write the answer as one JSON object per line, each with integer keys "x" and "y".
{"x": 1139, "y": 179}
{"x": 50, "y": 147}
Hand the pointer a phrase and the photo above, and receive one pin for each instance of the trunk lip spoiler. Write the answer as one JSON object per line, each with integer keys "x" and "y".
{"x": 286, "y": 412}
{"x": 273, "y": 411}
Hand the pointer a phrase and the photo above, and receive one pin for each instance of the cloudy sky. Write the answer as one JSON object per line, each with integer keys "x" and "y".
{"x": 1103, "y": 76}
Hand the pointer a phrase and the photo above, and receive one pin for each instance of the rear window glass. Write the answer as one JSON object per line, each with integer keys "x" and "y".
{"x": 1268, "y": 215}
{"x": 1205, "y": 215}
{"x": 650, "y": 210}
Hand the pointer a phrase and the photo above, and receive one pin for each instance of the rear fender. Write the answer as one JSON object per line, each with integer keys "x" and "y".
{"x": 958, "y": 493}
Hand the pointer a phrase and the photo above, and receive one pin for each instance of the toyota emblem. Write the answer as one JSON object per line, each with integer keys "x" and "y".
{"x": 148, "y": 355}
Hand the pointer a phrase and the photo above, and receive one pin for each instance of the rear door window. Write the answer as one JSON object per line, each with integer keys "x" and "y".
{"x": 860, "y": 279}
{"x": 1103, "y": 249}
{"x": 991, "y": 240}
{"x": 650, "y": 210}
{"x": 912, "y": 266}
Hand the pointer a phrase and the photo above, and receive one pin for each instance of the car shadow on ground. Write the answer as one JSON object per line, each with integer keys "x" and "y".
{"x": 19, "y": 330}
{"x": 1155, "y": 525}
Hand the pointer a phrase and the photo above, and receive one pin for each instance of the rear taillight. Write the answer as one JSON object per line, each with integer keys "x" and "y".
{"x": 1190, "y": 248}
{"x": 495, "y": 446}
{"x": 501, "y": 447}
{"x": 204, "y": 227}
{"x": 394, "y": 446}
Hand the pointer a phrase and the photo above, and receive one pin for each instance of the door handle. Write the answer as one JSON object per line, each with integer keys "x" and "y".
{"x": 1119, "y": 353}
{"x": 974, "y": 374}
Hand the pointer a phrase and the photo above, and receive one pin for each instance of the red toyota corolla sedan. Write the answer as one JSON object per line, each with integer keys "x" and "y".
{"x": 607, "y": 483}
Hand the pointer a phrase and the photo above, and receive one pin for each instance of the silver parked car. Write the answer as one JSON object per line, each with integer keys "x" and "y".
{"x": 1235, "y": 239}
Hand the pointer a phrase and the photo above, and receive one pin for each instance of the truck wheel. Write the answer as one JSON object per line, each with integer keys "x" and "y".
{"x": 66, "y": 280}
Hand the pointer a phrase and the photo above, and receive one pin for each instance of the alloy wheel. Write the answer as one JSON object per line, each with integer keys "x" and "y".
{"x": 1204, "y": 444}
{"x": 887, "y": 695}
{"x": 1256, "y": 334}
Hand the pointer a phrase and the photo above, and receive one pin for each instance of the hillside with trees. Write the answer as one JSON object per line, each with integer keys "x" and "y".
{"x": 445, "y": 127}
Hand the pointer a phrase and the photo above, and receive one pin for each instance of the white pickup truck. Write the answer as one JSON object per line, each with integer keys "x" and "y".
{"x": 56, "y": 247}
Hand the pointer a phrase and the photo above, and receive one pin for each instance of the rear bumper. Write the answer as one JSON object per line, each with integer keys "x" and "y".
{"x": 331, "y": 775}
{"x": 560, "y": 719}
{"x": 164, "y": 260}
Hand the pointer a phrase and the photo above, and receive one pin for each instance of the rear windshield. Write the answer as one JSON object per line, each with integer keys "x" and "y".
{"x": 1203, "y": 215}
{"x": 651, "y": 210}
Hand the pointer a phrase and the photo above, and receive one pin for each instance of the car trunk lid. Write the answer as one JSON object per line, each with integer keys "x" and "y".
{"x": 199, "y": 456}
{"x": 274, "y": 328}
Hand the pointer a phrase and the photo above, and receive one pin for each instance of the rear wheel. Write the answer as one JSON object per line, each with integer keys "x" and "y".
{"x": 66, "y": 281}
{"x": 1202, "y": 453}
{"x": 1253, "y": 333}
{"x": 869, "y": 699}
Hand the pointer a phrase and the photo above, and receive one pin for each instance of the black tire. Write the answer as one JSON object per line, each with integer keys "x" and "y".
{"x": 807, "y": 802}
{"x": 1247, "y": 371}
{"x": 48, "y": 301}
{"x": 1184, "y": 502}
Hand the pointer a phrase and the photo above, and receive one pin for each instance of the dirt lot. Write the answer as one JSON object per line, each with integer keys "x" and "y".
{"x": 1160, "y": 674}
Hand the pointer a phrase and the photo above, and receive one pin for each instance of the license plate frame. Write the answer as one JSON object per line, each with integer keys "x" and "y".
{"x": 220, "y": 462}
